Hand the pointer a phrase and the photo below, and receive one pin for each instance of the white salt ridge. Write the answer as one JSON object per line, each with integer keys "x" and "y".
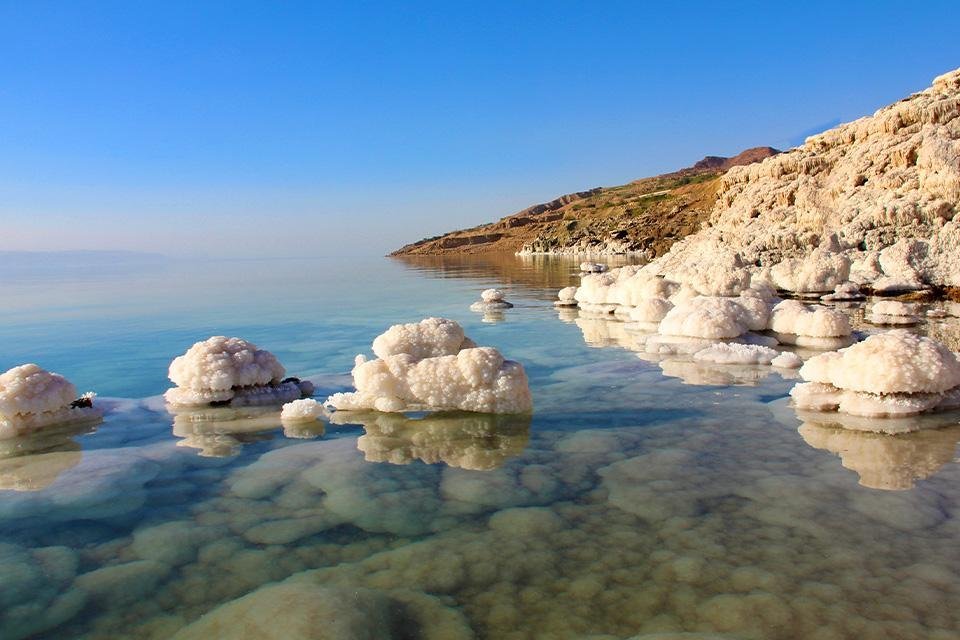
{"x": 32, "y": 398}
{"x": 725, "y": 353}
{"x": 468, "y": 379}
{"x": 887, "y": 375}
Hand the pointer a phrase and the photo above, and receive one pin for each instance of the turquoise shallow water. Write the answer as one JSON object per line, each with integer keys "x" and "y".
{"x": 641, "y": 497}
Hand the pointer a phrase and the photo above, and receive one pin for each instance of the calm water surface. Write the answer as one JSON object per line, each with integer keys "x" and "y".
{"x": 644, "y": 496}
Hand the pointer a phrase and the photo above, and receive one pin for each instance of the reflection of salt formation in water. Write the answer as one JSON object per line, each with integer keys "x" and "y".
{"x": 32, "y": 462}
{"x": 887, "y": 375}
{"x": 892, "y": 462}
{"x": 32, "y": 398}
{"x": 703, "y": 372}
{"x": 464, "y": 440}
{"x": 432, "y": 365}
{"x": 892, "y": 312}
{"x": 493, "y": 316}
{"x": 220, "y": 432}
{"x": 490, "y": 300}
{"x": 232, "y": 371}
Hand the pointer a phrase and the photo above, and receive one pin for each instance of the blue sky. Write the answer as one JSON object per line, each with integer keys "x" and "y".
{"x": 273, "y": 128}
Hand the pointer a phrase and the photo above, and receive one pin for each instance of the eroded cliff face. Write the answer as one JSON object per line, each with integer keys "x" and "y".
{"x": 884, "y": 190}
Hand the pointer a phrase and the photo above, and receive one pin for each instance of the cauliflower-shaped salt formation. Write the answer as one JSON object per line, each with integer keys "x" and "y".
{"x": 32, "y": 398}
{"x": 490, "y": 299}
{"x": 231, "y": 370}
{"x": 650, "y": 310}
{"x": 892, "y": 312}
{"x": 566, "y": 297}
{"x": 819, "y": 272}
{"x": 434, "y": 376}
{"x": 787, "y": 360}
{"x": 425, "y": 339}
{"x": 724, "y": 353}
{"x": 714, "y": 318}
{"x": 306, "y": 409}
{"x": 820, "y": 327}
{"x": 889, "y": 374}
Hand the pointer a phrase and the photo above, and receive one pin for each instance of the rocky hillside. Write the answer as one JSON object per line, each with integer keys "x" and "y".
{"x": 883, "y": 190}
{"x": 646, "y": 215}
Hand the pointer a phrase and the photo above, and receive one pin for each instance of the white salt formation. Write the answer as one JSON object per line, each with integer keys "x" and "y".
{"x": 223, "y": 370}
{"x": 304, "y": 410}
{"x": 889, "y": 374}
{"x": 787, "y": 360}
{"x": 724, "y": 353}
{"x": 592, "y": 267}
{"x": 432, "y": 365}
{"x": 892, "y": 312}
{"x": 32, "y": 398}
{"x": 878, "y": 196}
{"x": 846, "y": 292}
{"x": 793, "y": 322}
{"x": 565, "y": 297}
{"x": 490, "y": 299}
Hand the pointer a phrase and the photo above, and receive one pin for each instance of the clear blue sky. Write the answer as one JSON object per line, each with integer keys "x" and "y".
{"x": 266, "y": 128}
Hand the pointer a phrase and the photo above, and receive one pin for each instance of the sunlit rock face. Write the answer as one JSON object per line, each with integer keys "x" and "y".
{"x": 32, "y": 398}
{"x": 431, "y": 365}
{"x": 882, "y": 461}
{"x": 891, "y": 374}
{"x": 232, "y": 371}
{"x": 886, "y": 186}
{"x": 464, "y": 440}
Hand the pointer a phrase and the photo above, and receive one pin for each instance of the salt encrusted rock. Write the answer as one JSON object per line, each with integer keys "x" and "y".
{"x": 889, "y": 374}
{"x": 714, "y": 318}
{"x": 432, "y": 375}
{"x": 846, "y": 292}
{"x": 892, "y": 312}
{"x": 231, "y": 370}
{"x": 490, "y": 299}
{"x": 566, "y": 297}
{"x": 881, "y": 191}
{"x": 787, "y": 360}
{"x": 650, "y": 310}
{"x": 626, "y": 286}
{"x": 305, "y": 410}
{"x": 592, "y": 267}
{"x": 32, "y": 398}
{"x": 793, "y": 317}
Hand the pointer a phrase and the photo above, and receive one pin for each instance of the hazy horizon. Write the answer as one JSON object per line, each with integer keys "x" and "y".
{"x": 262, "y": 130}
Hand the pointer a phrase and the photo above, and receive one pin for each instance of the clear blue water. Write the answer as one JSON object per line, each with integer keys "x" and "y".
{"x": 641, "y": 497}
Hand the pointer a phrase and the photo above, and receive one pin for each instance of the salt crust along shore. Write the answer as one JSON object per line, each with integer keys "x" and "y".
{"x": 232, "y": 371}
{"x": 32, "y": 398}
{"x": 432, "y": 365}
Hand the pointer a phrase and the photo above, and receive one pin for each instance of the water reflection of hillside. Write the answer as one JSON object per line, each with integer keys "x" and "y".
{"x": 538, "y": 276}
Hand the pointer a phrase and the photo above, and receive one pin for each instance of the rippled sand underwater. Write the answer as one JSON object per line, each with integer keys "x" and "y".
{"x": 640, "y": 499}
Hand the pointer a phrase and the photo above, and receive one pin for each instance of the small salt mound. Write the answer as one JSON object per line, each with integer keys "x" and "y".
{"x": 32, "y": 398}
{"x": 892, "y": 312}
{"x": 592, "y": 267}
{"x": 471, "y": 379}
{"x": 650, "y": 310}
{"x": 490, "y": 299}
{"x": 222, "y": 370}
{"x": 848, "y": 291}
{"x": 896, "y": 285}
{"x": 303, "y": 410}
{"x": 566, "y": 297}
{"x": 787, "y": 360}
{"x": 720, "y": 281}
{"x": 724, "y": 353}
{"x": 793, "y": 317}
{"x": 819, "y": 272}
{"x": 893, "y": 362}
{"x": 703, "y": 317}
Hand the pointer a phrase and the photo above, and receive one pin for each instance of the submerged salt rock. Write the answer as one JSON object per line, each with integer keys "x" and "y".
{"x": 469, "y": 379}
{"x": 724, "y": 353}
{"x": 793, "y": 317}
{"x": 32, "y": 398}
{"x": 893, "y": 362}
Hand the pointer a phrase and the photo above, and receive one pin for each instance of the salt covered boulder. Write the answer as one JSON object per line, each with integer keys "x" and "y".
{"x": 231, "y": 371}
{"x": 889, "y": 374}
{"x": 441, "y": 369}
{"x": 650, "y": 310}
{"x": 592, "y": 267}
{"x": 490, "y": 299}
{"x": 819, "y": 272}
{"x": 714, "y": 318}
{"x": 793, "y": 322}
{"x": 566, "y": 297}
{"x": 32, "y": 398}
{"x": 892, "y": 312}
{"x": 845, "y": 292}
